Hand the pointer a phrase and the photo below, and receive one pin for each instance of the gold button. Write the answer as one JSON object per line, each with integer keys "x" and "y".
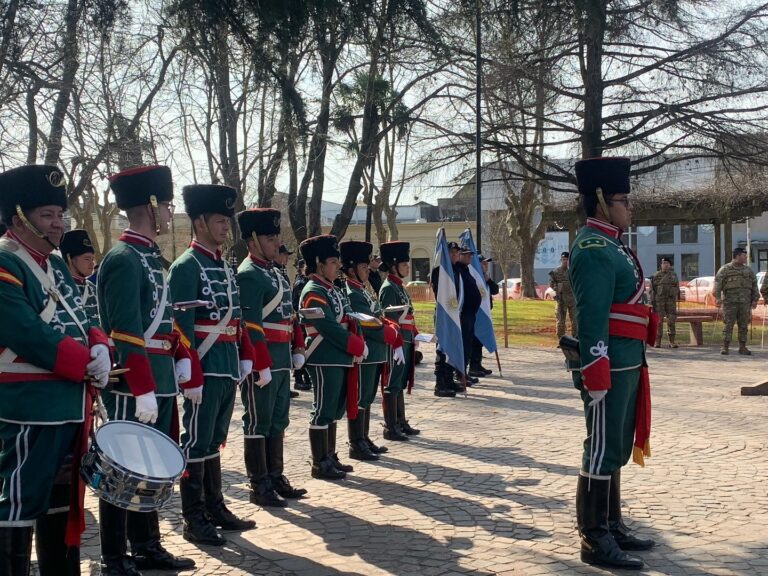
{"x": 166, "y": 345}
{"x": 230, "y": 330}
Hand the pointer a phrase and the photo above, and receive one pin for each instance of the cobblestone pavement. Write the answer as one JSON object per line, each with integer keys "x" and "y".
{"x": 488, "y": 486}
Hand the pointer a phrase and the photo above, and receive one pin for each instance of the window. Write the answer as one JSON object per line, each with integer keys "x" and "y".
{"x": 629, "y": 238}
{"x": 689, "y": 267}
{"x": 420, "y": 269}
{"x": 665, "y": 234}
{"x": 689, "y": 234}
{"x": 762, "y": 260}
{"x": 670, "y": 257}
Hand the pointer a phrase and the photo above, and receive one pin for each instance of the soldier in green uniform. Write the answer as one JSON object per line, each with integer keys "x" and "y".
{"x": 78, "y": 253}
{"x": 380, "y": 334}
{"x": 560, "y": 282}
{"x": 218, "y": 344}
{"x": 736, "y": 291}
{"x": 135, "y": 310}
{"x": 396, "y": 260}
{"x": 613, "y": 324}
{"x": 665, "y": 289}
{"x": 266, "y": 297}
{"x": 332, "y": 346}
{"x": 44, "y": 395}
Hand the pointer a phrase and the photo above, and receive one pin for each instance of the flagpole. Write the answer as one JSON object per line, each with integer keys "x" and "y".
{"x": 498, "y": 363}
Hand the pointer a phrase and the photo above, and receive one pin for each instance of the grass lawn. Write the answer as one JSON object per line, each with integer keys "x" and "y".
{"x": 532, "y": 323}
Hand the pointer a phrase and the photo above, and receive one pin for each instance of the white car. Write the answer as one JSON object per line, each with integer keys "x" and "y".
{"x": 699, "y": 290}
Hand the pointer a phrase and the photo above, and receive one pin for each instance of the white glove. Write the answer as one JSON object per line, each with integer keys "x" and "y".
{"x": 184, "y": 370}
{"x": 265, "y": 377}
{"x": 195, "y": 395}
{"x": 246, "y": 367}
{"x": 365, "y": 351}
{"x": 398, "y": 355}
{"x": 146, "y": 408}
{"x": 596, "y": 396}
{"x": 298, "y": 361}
{"x": 99, "y": 366}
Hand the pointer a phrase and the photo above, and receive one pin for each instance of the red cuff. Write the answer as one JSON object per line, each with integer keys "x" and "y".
{"x": 391, "y": 335}
{"x": 197, "y": 379}
{"x": 597, "y": 376}
{"x": 181, "y": 351}
{"x": 261, "y": 357}
{"x": 298, "y": 336}
{"x": 139, "y": 378}
{"x": 71, "y": 359}
{"x": 246, "y": 347}
{"x": 355, "y": 345}
{"x": 97, "y": 336}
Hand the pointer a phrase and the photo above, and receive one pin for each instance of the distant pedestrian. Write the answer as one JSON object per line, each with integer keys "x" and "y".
{"x": 665, "y": 289}
{"x": 736, "y": 291}
{"x": 560, "y": 282}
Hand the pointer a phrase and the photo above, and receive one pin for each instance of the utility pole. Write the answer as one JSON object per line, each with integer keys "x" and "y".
{"x": 478, "y": 141}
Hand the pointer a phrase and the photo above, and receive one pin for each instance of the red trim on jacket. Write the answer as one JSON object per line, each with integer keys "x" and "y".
{"x": 71, "y": 359}
{"x": 610, "y": 229}
{"x": 39, "y": 257}
{"x": 132, "y": 237}
{"x": 396, "y": 279}
{"x": 139, "y": 378}
{"x": 261, "y": 357}
{"x": 213, "y": 255}
{"x": 597, "y": 376}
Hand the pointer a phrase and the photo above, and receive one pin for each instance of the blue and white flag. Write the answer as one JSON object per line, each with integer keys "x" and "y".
{"x": 483, "y": 322}
{"x": 447, "y": 323}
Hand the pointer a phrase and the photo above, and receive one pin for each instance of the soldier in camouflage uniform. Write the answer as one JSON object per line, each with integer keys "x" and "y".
{"x": 665, "y": 288}
{"x": 219, "y": 346}
{"x": 736, "y": 290}
{"x": 560, "y": 282}
{"x": 78, "y": 253}
{"x": 44, "y": 394}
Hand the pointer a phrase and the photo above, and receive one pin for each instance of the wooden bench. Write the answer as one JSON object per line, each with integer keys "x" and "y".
{"x": 696, "y": 324}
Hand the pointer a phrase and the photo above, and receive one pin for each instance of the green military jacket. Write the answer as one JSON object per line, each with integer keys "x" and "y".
{"x": 736, "y": 284}
{"x": 360, "y": 300}
{"x": 266, "y": 295}
{"x": 393, "y": 293}
{"x": 604, "y": 272}
{"x": 88, "y": 300}
{"x": 42, "y": 359}
{"x": 133, "y": 291}
{"x": 211, "y": 331}
{"x": 665, "y": 286}
{"x": 329, "y": 341}
{"x": 560, "y": 282}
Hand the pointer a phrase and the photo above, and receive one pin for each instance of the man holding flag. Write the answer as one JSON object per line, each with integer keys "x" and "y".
{"x": 483, "y": 334}
{"x": 448, "y": 293}
{"x": 469, "y": 308}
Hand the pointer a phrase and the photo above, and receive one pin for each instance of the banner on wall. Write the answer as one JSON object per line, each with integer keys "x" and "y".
{"x": 549, "y": 250}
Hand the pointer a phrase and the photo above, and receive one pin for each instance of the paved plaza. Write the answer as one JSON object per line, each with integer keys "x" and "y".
{"x": 488, "y": 486}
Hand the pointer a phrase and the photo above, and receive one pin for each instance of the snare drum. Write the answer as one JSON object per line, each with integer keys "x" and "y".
{"x": 132, "y": 466}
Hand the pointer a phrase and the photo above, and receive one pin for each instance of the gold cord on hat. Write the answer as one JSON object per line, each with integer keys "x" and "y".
{"x": 603, "y": 203}
{"x": 155, "y": 212}
{"x": 31, "y": 227}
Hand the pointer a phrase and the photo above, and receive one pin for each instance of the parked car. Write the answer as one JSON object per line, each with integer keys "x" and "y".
{"x": 549, "y": 293}
{"x": 699, "y": 290}
{"x": 514, "y": 288}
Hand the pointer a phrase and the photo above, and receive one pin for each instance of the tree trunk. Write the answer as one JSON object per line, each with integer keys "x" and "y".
{"x": 70, "y": 66}
{"x": 9, "y": 22}
{"x": 228, "y": 124}
{"x": 592, "y": 75}
{"x": 527, "y": 258}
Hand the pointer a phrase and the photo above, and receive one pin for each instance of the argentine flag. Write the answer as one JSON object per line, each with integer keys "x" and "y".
{"x": 447, "y": 323}
{"x": 483, "y": 323}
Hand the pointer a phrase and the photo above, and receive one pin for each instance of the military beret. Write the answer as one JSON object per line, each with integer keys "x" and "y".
{"x": 395, "y": 252}
{"x": 31, "y": 187}
{"x": 355, "y": 252}
{"x": 739, "y": 250}
{"x": 611, "y": 175}
{"x": 565, "y": 255}
{"x": 202, "y": 199}
{"x": 318, "y": 249}
{"x": 135, "y": 186}
{"x": 665, "y": 259}
{"x": 453, "y": 246}
{"x": 259, "y": 221}
{"x": 75, "y": 242}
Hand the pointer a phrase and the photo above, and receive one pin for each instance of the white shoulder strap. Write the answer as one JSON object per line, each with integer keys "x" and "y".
{"x": 211, "y": 338}
{"x": 275, "y": 302}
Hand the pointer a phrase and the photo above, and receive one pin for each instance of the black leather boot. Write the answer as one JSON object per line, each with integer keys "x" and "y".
{"x": 114, "y": 544}
{"x": 148, "y": 552}
{"x": 598, "y": 546}
{"x": 444, "y": 382}
{"x": 401, "y": 419}
{"x": 619, "y": 530}
{"x": 358, "y": 446}
{"x": 301, "y": 380}
{"x": 391, "y": 429}
{"x": 15, "y": 550}
{"x": 53, "y": 556}
{"x": 262, "y": 492}
{"x": 276, "y": 466}
{"x": 332, "y": 454}
{"x": 198, "y": 528}
{"x": 366, "y": 434}
{"x": 218, "y": 513}
{"x": 322, "y": 466}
